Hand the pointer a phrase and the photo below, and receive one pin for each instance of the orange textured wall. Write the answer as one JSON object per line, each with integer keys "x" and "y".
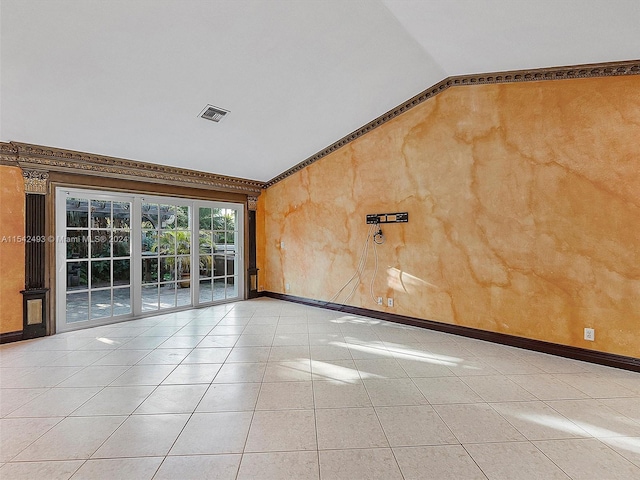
{"x": 11, "y": 248}
{"x": 524, "y": 213}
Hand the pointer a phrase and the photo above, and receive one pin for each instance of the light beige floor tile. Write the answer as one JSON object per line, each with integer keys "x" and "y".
{"x": 233, "y": 321}
{"x": 547, "y": 387}
{"x": 285, "y": 328}
{"x": 254, "y": 341}
{"x": 291, "y": 339}
{"x": 185, "y": 374}
{"x": 367, "y": 351}
{"x": 163, "y": 330}
{"x": 16, "y": 434}
{"x": 629, "y": 407}
{"x": 494, "y": 388}
{"x": 35, "y": 357}
{"x": 166, "y": 356}
{"x": 392, "y": 392}
{"x": 477, "y": 423}
{"x": 552, "y": 364}
{"x": 143, "y": 468}
{"x": 283, "y": 430}
{"x": 294, "y": 371}
{"x": 249, "y": 355}
{"x": 79, "y": 358}
{"x": 337, "y": 371}
{"x": 331, "y": 338}
{"x": 446, "y": 390}
{"x": 143, "y": 375}
{"x": 227, "y": 330}
{"x": 41, "y": 377}
{"x": 279, "y": 466}
{"x": 596, "y": 418}
{"x": 328, "y": 352}
{"x": 419, "y": 367}
{"x": 588, "y": 459}
{"x": 57, "y": 402}
{"x": 370, "y": 464}
{"x": 241, "y": 373}
{"x": 74, "y": 438}
{"x": 289, "y": 353}
{"x": 193, "y": 330}
{"x": 511, "y": 365}
{"x": 285, "y": 395}
{"x": 207, "y": 355}
{"x": 218, "y": 341}
{"x": 209, "y": 433}
{"x": 182, "y": 342}
{"x": 380, "y": 368}
{"x": 330, "y": 394}
{"x": 172, "y": 399}
{"x": 13, "y": 398}
{"x": 143, "y": 436}
{"x": 514, "y": 461}
{"x": 259, "y": 329}
{"x": 104, "y": 341}
{"x": 143, "y": 343}
{"x": 114, "y": 401}
{"x": 95, "y": 376}
{"x": 472, "y": 367}
{"x": 538, "y": 421}
{"x": 40, "y": 470}
{"x": 198, "y": 467}
{"x": 442, "y": 462}
{"x": 628, "y": 447}
{"x": 596, "y": 386}
{"x": 414, "y": 425}
{"x": 345, "y": 428}
{"x": 232, "y": 397}
{"x": 121, "y": 357}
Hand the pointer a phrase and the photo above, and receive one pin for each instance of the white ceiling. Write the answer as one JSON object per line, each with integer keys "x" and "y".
{"x": 128, "y": 78}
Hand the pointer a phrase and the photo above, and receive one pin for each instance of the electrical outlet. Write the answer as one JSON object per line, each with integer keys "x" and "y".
{"x": 389, "y": 302}
{"x": 282, "y": 245}
{"x": 379, "y": 300}
{"x": 287, "y": 286}
{"x": 589, "y": 334}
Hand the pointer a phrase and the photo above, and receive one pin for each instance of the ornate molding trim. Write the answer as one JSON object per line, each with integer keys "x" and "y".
{"x": 8, "y": 154}
{"x": 610, "y": 69}
{"x": 35, "y": 181}
{"x": 69, "y": 161}
{"x": 252, "y": 202}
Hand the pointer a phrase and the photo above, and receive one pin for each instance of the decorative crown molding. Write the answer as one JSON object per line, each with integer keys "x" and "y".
{"x": 610, "y": 69}
{"x": 35, "y": 181}
{"x": 58, "y": 160}
{"x": 8, "y": 154}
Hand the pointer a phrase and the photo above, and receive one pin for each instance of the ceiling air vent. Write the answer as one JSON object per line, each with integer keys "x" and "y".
{"x": 215, "y": 114}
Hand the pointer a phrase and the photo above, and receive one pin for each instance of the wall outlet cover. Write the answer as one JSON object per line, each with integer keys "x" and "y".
{"x": 589, "y": 334}
{"x": 389, "y": 302}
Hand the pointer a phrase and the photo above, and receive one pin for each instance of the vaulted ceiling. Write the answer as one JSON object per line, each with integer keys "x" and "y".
{"x": 129, "y": 78}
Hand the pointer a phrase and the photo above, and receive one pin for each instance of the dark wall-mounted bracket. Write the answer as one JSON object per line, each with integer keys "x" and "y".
{"x": 402, "y": 217}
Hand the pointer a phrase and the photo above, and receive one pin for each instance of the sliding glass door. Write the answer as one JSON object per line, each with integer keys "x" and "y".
{"x": 188, "y": 254}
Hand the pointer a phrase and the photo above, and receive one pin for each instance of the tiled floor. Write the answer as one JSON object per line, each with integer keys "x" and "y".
{"x": 267, "y": 389}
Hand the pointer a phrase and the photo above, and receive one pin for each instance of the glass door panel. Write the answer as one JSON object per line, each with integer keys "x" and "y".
{"x": 165, "y": 255}
{"x": 219, "y": 252}
{"x": 94, "y": 258}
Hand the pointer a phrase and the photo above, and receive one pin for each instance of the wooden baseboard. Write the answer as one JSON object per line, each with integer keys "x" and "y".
{"x": 10, "y": 337}
{"x": 591, "y": 356}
